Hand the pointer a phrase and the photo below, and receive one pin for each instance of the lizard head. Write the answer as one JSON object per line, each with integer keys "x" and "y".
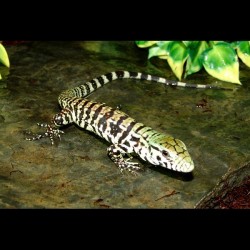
{"x": 170, "y": 153}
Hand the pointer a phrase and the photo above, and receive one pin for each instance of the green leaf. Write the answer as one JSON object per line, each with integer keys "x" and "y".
{"x": 234, "y": 44}
{"x": 243, "y": 51}
{"x": 194, "y": 64}
{"x": 191, "y": 44}
{"x": 221, "y": 62}
{"x": 4, "y": 59}
{"x": 175, "y": 52}
{"x": 177, "y": 57}
{"x": 161, "y": 50}
{"x": 0, "y": 77}
{"x": 145, "y": 44}
{"x": 215, "y": 42}
{"x": 162, "y": 43}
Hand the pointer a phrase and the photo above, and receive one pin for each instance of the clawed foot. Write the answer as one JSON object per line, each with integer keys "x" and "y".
{"x": 127, "y": 165}
{"x": 51, "y": 132}
{"x": 123, "y": 159}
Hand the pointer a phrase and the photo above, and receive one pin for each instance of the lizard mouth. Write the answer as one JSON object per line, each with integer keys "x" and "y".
{"x": 183, "y": 166}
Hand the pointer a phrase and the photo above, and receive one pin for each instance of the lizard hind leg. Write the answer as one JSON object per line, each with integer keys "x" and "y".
{"x": 116, "y": 154}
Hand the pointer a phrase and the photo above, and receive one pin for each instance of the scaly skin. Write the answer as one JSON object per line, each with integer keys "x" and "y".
{"x": 125, "y": 134}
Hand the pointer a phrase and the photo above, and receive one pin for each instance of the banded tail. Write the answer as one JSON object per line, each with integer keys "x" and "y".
{"x": 87, "y": 88}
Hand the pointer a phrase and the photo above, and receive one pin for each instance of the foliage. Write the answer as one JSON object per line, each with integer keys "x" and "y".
{"x": 219, "y": 58}
{"x": 4, "y": 59}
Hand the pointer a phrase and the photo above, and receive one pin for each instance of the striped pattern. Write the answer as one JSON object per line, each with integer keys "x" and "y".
{"x": 125, "y": 134}
{"x": 89, "y": 87}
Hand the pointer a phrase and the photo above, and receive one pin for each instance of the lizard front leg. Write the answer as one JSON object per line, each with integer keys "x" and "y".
{"x": 51, "y": 132}
{"x": 52, "y": 129}
{"x": 116, "y": 154}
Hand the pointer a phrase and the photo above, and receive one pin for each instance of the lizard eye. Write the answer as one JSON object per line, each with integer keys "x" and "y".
{"x": 165, "y": 153}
